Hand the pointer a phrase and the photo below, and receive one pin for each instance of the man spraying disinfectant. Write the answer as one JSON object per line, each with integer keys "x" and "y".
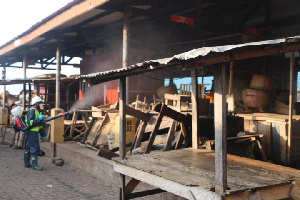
{"x": 33, "y": 120}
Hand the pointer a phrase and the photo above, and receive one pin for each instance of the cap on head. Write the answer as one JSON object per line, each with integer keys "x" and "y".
{"x": 36, "y": 99}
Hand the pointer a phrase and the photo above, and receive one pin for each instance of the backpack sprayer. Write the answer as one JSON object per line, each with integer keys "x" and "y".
{"x": 22, "y": 125}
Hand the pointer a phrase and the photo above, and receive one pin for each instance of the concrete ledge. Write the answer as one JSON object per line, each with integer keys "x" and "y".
{"x": 85, "y": 159}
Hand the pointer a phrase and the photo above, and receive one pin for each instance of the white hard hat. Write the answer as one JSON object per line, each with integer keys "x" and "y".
{"x": 36, "y": 99}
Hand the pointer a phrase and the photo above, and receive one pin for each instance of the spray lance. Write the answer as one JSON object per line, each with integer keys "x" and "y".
{"x": 26, "y": 128}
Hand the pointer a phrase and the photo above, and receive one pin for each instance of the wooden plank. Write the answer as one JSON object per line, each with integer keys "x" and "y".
{"x": 136, "y": 113}
{"x": 179, "y": 141}
{"x": 72, "y": 126}
{"x": 265, "y": 128}
{"x": 140, "y": 134}
{"x": 89, "y": 130}
{"x": 170, "y": 136}
{"x": 164, "y": 184}
{"x": 131, "y": 185}
{"x": 292, "y": 71}
{"x": 156, "y": 127}
{"x": 195, "y": 119}
{"x": 283, "y": 132}
{"x": 262, "y": 152}
{"x": 103, "y": 123}
{"x": 106, "y": 153}
{"x": 220, "y": 130}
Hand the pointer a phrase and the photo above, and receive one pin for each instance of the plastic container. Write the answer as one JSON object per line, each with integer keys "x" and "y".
{"x": 255, "y": 98}
{"x": 260, "y": 82}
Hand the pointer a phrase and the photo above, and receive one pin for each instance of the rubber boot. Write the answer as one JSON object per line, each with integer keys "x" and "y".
{"x": 34, "y": 159}
{"x": 27, "y": 159}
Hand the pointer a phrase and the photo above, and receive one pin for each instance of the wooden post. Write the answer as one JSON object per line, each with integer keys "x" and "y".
{"x": 122, "y": 113}
{"x": 292, "y": 69}
{"x": 220, "y": 131}
{"x": 68, "y": 99}
{"x": 58, "y": 68}
{"x": 4, "y": 86}
{"x": 127, "y": 12}
{"x": 24, "y": 64}
{"x": 122, "y": 145}
{"x": 29, "y": 92}
{"x": 38, "y": 91}
{"x": 194, "y": 99}
{"x": 230, "y": 77}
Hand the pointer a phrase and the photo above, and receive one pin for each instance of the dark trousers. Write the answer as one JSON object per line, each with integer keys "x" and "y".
{"x": 32, "y": 142}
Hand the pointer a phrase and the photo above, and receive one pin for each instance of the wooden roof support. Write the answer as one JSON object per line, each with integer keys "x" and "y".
{"x": 4, "y": 86}
{"x": 194, "y": 99}
{"x": 220, "y": 130}
{"x": 24, "y": 65}
{"x": 58, "y": 68}
{"x": 292, "y": 71}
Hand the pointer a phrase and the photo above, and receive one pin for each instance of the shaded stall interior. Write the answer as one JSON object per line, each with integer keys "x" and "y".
{"x": 240, "y": 54}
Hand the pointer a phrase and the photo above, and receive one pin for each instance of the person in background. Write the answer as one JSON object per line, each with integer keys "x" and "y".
{"x": 34, "y": 118}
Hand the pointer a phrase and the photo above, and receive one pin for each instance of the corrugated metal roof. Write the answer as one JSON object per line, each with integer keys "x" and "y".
{"x": 100, "y": 77}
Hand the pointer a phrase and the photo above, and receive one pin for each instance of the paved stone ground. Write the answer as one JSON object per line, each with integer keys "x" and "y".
{"x": 18, "y": 182}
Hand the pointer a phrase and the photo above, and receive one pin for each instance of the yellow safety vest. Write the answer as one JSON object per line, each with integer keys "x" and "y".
{"x": 37, "y": 114}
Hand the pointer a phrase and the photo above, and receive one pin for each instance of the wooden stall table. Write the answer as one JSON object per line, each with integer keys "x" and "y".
{"x": 190, "y": 173}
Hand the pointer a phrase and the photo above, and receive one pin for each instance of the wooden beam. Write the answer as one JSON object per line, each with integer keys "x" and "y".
{"x": 131, "y": 185}
{"x": 139, "y": 134}
{"x": 220, "y": 130}
{"x": 144, "y": 193}
{"x": 156, "y": 127}
{"x": 194, "y": 99}
{"x": 24, "y": 65}
{"x": 292, "y": 71}
{"x": 170, "y": 136}
{"x": 58, "y": 69}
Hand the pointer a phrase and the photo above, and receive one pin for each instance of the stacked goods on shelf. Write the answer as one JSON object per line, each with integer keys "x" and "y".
{"x": 259, "y": 95}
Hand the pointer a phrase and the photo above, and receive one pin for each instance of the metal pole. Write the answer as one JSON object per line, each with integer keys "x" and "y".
{"x": 58, "y": 68}
{"x": 122, "y": 144}
{"x": 127, "y": 11}
{"x": 292, "y": 69}
{"x": 24, "y": 65}
{"x": 194, "y": 98}
{"x": 122, "y": 113}
{"x": 220, "y": 130}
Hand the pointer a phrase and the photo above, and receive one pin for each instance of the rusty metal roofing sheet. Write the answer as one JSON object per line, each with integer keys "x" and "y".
{"x": 99, "y": 77}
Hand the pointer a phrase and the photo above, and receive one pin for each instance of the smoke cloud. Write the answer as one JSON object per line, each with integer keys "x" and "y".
{"x": 89, "y": 99}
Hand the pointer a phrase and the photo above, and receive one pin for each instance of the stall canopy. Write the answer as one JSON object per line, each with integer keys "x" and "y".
{"x": 201, "y": 57}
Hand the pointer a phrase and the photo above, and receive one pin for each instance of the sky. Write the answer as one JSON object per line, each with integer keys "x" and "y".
{"x": 17, "y": 16}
